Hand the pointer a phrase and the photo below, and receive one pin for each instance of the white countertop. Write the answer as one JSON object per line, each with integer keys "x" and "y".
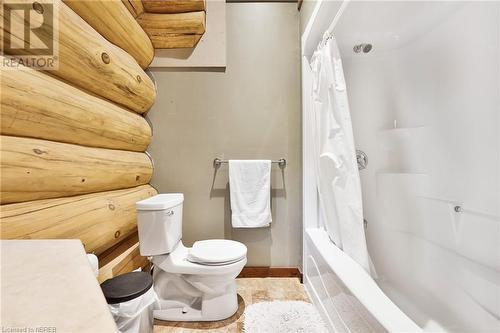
{"x": 49, "y": 284}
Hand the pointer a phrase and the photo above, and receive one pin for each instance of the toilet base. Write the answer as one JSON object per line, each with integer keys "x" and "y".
{"x": 186, "y": 298}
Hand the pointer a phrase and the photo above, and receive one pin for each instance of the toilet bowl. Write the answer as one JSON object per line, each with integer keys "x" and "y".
{"x": 192, "y": 284}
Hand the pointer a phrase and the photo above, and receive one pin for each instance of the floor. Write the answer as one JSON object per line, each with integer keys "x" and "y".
{"x": 250, "y": 290}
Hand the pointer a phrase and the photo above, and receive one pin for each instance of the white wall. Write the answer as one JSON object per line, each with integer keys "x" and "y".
{"x": 437, "y": 78}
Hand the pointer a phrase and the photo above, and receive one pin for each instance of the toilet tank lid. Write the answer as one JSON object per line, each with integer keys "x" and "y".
{"x": 160, "y": 201}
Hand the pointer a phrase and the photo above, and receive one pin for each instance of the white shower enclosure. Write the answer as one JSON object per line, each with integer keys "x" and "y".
{"x": 424, "y": 103}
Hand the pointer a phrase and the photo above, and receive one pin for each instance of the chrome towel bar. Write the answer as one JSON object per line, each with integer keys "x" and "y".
{"x": 218, "y": 162}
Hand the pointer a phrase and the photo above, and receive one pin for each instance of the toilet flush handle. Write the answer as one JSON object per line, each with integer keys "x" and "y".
{"x": 170, "y": 213}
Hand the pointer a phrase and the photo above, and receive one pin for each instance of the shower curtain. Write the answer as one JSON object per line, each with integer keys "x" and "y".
{"x": 337, "y": 174}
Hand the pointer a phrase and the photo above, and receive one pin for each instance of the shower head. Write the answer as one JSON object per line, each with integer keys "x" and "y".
{"x": 365, "y": 48}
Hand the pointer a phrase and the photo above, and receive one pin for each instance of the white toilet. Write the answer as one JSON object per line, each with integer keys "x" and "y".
{"x": 193, "y": 284}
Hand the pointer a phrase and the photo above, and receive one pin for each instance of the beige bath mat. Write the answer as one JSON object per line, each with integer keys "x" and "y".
{"x": 283, "y": 317}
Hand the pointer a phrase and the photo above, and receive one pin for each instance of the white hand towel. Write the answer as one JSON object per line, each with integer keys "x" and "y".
{"x": 250, "y": 191}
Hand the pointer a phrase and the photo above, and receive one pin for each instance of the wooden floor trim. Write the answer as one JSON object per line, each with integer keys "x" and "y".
{"x": 264, "y": 271}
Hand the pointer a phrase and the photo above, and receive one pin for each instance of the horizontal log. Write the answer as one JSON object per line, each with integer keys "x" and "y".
{"x": 173, "y": 41}
{"x": 122, "y": 258}
{"x": 173, "y": 6}
{"x": 135, "y": 7}
{"x": 35, "y": 169}
{"x": 88, "y": 60}
{"x": 113, "y": 21}
{"x": 37, "y": 105}
{"x": 184, "y": 23}
{"x": 99, "y": 220}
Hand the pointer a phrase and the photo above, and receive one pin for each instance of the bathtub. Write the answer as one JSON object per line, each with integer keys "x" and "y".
{"x": 347, "y": 297}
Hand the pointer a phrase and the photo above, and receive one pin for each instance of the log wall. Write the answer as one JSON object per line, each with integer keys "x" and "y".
{"x": 35, "y": 169}
{"x": 37, "y": 105}
{"x": 184, "y": 23}
{"x": 171, "y": 41}
{"x": 89, "y": 61}
{"x": 135, "y": 7}
{"x": 100, "y": 220}
{"x": 173, "y": 30}
{"x": 73, "y": 139}
{"x": 113, "y": 21}
{"x": 173, "y": 6}
{"x": 122, "y": 258}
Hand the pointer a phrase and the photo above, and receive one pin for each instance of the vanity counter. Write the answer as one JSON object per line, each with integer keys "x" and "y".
{"x": 49, "y": 286}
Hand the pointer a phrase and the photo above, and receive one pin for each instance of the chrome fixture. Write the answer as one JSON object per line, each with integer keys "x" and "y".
{"x": 218, "y": 162}
{"x": 362, "y": 159}
{"x": 458, "y": 209}
{"x": 365, "y": 48}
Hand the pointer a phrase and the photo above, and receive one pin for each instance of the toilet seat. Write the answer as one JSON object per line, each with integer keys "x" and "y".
{"x": 216, "y": 252}
{"x": 177, "y": 262}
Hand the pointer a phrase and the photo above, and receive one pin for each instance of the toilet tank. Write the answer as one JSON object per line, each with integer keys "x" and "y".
{"x": 159, "y": 221}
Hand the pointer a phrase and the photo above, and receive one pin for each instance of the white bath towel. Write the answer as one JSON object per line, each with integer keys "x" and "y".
{"x": 250, "y": 192}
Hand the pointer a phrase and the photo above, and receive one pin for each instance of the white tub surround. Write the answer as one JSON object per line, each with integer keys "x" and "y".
{"x": 49, "y": 284}
{"x": 423, "y": 82}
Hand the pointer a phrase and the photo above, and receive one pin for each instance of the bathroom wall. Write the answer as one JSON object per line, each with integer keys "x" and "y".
{"x": 250, "y": 110}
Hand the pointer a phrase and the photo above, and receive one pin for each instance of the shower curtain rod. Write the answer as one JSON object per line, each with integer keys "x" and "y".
{"x": 335, "y": 20}
{"x": 321, "y": 24}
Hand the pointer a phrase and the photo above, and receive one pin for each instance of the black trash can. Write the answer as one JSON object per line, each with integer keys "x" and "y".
{"x": 131, "y": 300}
